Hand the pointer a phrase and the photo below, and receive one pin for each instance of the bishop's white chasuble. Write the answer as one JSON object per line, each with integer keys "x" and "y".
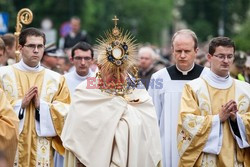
{"x": 108, "y": 130}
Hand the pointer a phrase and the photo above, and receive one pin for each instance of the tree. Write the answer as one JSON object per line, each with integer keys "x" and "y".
{"x": 203, "y": 16}
{"x": 144, "y": 18}
{"x": 242, "y": 38}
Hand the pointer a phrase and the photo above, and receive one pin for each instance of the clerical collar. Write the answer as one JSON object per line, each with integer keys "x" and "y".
{"x": 24, "y": 67}
{"x": 217, "y": 81}
{"x": 185, "y": 72}
{"x": 81, "y": 78}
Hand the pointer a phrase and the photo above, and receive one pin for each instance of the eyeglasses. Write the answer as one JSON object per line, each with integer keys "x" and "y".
{"x": 80, "y": 58}
{"x": 33, "y": 46}
{"x": 223, "y": 57}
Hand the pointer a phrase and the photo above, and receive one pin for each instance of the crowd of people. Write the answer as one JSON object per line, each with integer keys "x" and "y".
{"x": 77, "y": 106}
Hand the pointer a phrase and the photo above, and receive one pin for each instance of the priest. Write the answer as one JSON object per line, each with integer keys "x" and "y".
{"x": 166, "y": 88}
{"x": 40, "y": 99}
{"x": 213, "y": 126}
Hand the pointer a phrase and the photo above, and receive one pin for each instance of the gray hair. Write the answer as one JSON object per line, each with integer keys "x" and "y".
{"x": 148, "y": 50}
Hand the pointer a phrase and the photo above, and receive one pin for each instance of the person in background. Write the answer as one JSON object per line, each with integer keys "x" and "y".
{"x": 247, "y": 69}
{"x": 50, "y": 58}
{"x": 76, "y": 35}
{"x": 49, "y": 31}
{"x": 146, "y": 64}
{"x": 64, "y": 65}
{"x": 70, "y": 66}
{"x": 10, "y": 47}
{"x": 238, "y": 66}
{"x": 3, "y": 58}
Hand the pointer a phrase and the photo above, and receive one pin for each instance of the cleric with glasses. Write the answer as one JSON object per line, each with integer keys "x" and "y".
{"x": 223, "y": 56}
{"x": 34, "y": 46}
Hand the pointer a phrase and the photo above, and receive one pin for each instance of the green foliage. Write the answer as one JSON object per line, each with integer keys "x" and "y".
{"x": 144, "y": 18}
{"x": 203, "y": 15}
{"x": 204, "y": 28}
{"x": 242, "y": 39}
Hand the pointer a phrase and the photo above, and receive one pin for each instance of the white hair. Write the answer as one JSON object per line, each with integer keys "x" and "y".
{"x": 147, "y": 49}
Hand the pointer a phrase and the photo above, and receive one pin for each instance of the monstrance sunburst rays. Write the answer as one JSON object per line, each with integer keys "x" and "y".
{"x": 116, "y": 56}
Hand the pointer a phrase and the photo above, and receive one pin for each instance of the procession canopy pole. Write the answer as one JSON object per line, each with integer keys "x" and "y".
{"x": 24, "y": 16}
